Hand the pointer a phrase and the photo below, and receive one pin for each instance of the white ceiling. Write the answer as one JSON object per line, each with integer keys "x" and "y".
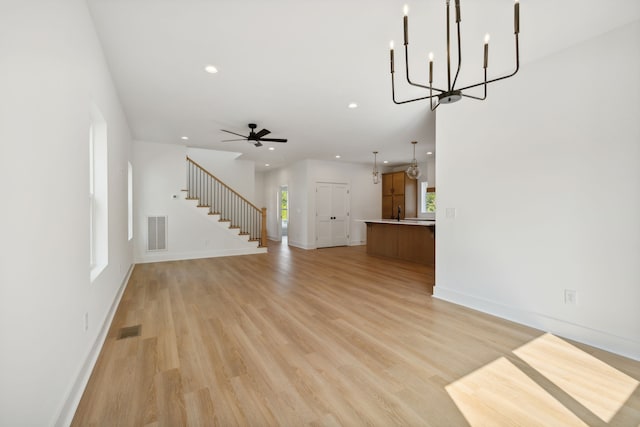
{"x": 293, "y": 66}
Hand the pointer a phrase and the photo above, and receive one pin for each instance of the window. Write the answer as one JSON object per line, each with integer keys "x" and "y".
{"x": 284, "y": 205}
{"x": 98, "y": 207}
{"x": 92, "y": 199}
{"x": 428, "y": 198}
{"x": 130, "y": 201}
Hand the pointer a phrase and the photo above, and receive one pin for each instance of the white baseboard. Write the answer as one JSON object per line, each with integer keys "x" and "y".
{"x": 180, "y": 256}
{"x": 73, "y": 398}
{"x": 300, "y": 245}
{"x": 596, "y": 338}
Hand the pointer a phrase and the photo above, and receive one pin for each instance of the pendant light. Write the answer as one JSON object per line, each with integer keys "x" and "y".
{"x": 413, "y": 171}
{"x": 375, "y": 174}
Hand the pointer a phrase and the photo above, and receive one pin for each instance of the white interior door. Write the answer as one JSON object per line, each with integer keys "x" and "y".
{"x": 323, "y": 215}
{"x": 340, "y": 215}
{"x": 332, "y": 214}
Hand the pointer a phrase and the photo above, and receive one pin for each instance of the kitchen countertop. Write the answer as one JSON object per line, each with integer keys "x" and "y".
{"x": 401, "y": 222}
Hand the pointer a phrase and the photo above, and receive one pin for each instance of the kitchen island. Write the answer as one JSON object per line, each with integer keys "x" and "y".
{"x": 409, "y": 240}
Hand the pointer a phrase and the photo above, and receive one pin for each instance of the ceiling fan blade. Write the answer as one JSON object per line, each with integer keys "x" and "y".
{"x": 233, "y": 133}
{"x": 263, "y": 132}
{"x": 273, "y": 140}
{"x": 231, "y": 140}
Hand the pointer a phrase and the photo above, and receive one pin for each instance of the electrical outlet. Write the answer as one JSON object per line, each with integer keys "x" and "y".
{"x": 570, "y": 297}
{"x": 86, "y": 321}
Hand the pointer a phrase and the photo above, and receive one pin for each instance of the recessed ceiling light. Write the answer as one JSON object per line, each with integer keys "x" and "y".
{"x": 184, "y": 138}
{"x": 272, "y": 148}
{"x": 211, "y": 69}
{"x": 429, "y": 153}
{"x": 352, "y": 105}
{"x": 267, "y": 164}
{"x": 385, "y": 162}
{"x": 338, "y": 156}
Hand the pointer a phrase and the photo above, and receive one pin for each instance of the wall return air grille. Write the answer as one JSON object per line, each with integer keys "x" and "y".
{"x": 156, "y": 233}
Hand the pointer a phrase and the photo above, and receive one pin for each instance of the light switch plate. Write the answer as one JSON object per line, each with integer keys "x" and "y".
{"x": 570, "y": 297}
{"x": 450, "y": 212}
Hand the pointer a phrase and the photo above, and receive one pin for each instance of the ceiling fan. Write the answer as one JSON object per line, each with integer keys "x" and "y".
{"x": 254, "y": 137}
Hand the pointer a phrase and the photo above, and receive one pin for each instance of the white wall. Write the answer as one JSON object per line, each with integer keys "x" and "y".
{"x": 160, "y": 173}
{"x": 259, "y": 196}
{"x": 545, "y": 180}
{"x": 51, "y": 70}
{"x": 301, "y": 177}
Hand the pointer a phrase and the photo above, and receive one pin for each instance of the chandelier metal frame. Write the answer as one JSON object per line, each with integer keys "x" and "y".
{"x": 451, "y": 94}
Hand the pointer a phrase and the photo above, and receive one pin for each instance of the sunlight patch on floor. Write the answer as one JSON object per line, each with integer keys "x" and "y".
{"x": 500, "y": 394}
{"x": 597, "y": 386}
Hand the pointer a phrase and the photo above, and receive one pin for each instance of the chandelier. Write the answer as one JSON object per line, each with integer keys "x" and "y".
{"x": 375, "y": 174}
{"x": 413, "y": 171}
{"x": 451, "y": 93}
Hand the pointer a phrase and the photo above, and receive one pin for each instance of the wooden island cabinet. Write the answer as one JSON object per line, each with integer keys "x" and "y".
{"x": 413, "y": 241}
{"x": 398, "y": 190}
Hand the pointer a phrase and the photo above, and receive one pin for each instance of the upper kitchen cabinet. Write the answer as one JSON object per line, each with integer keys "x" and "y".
{"x": 398, "y": 190}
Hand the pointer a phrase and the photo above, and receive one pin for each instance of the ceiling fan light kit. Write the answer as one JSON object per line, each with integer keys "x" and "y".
{"x": 256, "y": 138}
{"x": 451, "y": 94}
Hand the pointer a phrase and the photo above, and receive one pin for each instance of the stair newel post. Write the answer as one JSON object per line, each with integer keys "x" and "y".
{"x": 263, "y": 238}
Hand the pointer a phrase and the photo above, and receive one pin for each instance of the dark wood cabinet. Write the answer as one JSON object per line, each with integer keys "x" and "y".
{"x": 398, "y": 190}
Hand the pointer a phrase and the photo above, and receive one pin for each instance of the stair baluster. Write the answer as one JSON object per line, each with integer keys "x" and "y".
{"x": 226, "y": 202}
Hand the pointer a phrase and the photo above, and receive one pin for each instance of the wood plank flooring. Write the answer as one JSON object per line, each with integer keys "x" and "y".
{"x": 336, "y": 337}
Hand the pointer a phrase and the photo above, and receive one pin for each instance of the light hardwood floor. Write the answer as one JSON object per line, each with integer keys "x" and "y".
{"x": 336, "y": 337}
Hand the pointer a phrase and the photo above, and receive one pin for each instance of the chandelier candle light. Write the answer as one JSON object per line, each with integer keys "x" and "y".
{"x": 451, "y": 94}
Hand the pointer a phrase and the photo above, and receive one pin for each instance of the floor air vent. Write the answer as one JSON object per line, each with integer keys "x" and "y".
{"x": 130, "y": 331}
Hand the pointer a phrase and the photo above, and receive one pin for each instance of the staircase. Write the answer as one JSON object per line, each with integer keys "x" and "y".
{"x": 226, "y": 203}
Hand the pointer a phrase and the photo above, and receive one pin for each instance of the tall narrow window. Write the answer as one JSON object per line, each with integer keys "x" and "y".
{"x": 98, "y": 206}
{"x": 130, "y": 201}
{"x": 92, "y": 200}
